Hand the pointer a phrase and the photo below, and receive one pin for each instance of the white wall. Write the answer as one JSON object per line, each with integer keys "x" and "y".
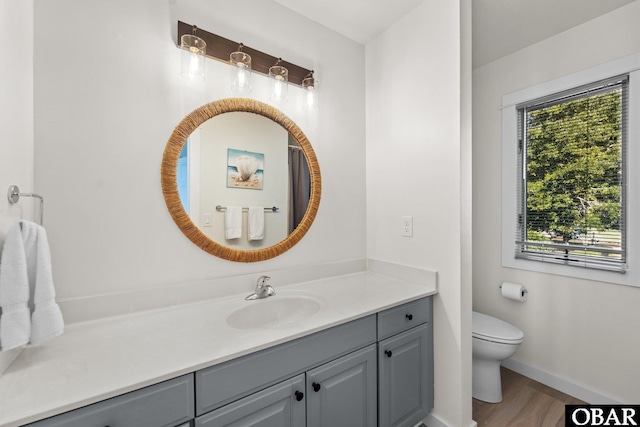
{"x": 16, "y": 109}
{"x": 579, "y": 331}
{"x": 109, "y": 94}
{"x": 415, "y": 153}
{"x": 16, "y": 117}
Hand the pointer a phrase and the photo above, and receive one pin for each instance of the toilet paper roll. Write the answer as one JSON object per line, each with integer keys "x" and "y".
{"x": 514, "y": 291}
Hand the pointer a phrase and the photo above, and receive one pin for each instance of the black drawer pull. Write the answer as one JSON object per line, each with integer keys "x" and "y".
{"x": 388, "y": 353}
{"x": 316, "y": 386}
{"x": 299, "y": 395}
{"x": 409, "y": 316}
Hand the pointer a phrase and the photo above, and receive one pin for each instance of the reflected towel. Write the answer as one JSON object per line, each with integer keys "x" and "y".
{"x": 256, "y": 223}
{"x": 233, "y": 222}
{"x": 27, "y": 296}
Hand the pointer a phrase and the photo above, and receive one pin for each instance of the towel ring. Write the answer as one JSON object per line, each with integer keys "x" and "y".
{"x": 14, "y": 194}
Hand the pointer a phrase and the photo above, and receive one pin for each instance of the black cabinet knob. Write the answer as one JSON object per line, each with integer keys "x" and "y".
{"x": 388, "y": 353}
{"x": 409, "y": 316}
{"x": 316, "y": 386}
{"x": 299, "y": 395}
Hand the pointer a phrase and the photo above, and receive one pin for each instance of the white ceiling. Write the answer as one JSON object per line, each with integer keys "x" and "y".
{"x": 359, "y": 20}
{"x": 500, "y": 27}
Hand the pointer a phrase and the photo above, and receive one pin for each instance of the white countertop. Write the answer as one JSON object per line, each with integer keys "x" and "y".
{"x": 96, "y": 360}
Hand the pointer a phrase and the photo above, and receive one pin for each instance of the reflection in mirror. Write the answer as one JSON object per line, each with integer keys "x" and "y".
{"x": 243, "y": 159}
{"x": 232, "y": 154}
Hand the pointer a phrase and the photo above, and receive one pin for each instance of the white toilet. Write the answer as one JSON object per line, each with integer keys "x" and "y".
{"x": 493, "y": 341}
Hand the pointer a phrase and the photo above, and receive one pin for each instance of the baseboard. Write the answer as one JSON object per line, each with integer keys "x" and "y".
{"x": 559, "y": 383}
{"x": 434, "y": 421}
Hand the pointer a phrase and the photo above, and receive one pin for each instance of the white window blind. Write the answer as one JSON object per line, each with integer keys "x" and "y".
{"x": 572, "y": 169}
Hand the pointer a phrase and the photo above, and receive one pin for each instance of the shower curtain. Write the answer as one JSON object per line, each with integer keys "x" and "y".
{"x": 299, "y": 187}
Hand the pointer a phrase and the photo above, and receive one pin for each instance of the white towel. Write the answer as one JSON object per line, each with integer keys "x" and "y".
{"x": 233, "y": 222}
{"x": 26, "y": 271}
{"x": 256, "y": 223}
{"x": 46, "y": 319}
{"x": 15, "y": 322}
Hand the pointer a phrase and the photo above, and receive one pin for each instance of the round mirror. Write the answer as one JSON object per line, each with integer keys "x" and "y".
{"x": 234, "y": 156}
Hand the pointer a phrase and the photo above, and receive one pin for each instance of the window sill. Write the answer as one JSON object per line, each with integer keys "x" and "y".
{"x": 570, "y": 271}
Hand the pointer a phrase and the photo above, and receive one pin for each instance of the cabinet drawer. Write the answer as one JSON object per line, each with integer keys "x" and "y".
{"x": 281, "y": 405}
{"x": 229, "y": 381}
{"x": 167, "y": 404}
{"x": 403, "y": 317}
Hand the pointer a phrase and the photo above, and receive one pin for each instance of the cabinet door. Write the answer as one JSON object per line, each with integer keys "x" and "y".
{"x": 281, "y": 405}
{"x": 342, "y": 393}
{"x": 405, "y": 378}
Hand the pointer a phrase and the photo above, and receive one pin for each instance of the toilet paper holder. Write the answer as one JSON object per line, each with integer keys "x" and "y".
{"x": 513, "y": 291}
{"x": 524, "y": 290}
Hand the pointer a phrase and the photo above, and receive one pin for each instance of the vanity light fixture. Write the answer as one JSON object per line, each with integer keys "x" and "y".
{"x": 280, "y": 77}
{"x": 310, "y": 84}
{"x": 194, "y": 51}
{"x": 241, "y": 71}
{"x": 234, "y": 54}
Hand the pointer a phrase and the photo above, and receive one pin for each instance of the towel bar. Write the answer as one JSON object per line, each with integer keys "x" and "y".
{"x": 271, "y": 209}
{"x": 14, "y": 194}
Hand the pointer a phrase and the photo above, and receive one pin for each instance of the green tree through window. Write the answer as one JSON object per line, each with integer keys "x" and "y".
{"x": 573, "y": 175}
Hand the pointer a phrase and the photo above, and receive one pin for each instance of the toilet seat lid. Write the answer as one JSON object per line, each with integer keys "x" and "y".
{"x": 491, "y": 329}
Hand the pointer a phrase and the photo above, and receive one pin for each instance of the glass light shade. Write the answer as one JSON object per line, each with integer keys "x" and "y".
{"x": 193, "y": 57}
{"x": 279, "y": 86}
{"x": 241, "y": 72}
{"x": 310, "y": 102}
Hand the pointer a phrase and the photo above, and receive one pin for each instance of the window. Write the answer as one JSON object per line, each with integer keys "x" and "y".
{"x": 572, "y": 182}
{"x": 591, "y": 229}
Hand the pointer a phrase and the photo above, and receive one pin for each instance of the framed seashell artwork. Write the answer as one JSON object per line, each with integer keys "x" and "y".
{"x": 245, "y": 169}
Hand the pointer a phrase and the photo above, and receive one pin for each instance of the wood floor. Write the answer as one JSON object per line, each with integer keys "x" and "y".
{"x": 526, "y": 403}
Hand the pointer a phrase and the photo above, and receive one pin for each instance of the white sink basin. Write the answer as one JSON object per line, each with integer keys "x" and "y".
{"x": 273, "y": 312}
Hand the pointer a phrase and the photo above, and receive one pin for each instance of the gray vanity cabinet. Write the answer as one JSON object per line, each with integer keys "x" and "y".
{"x": 372, "y": 371}
{"x": 342, "y": 393}
{"x": 405, "y": 365}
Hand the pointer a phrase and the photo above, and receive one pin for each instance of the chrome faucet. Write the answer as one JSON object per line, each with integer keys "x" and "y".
{"x": 262, "y": 289}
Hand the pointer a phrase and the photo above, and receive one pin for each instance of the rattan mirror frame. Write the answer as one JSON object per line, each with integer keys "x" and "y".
{"x": 170, "y": 186}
